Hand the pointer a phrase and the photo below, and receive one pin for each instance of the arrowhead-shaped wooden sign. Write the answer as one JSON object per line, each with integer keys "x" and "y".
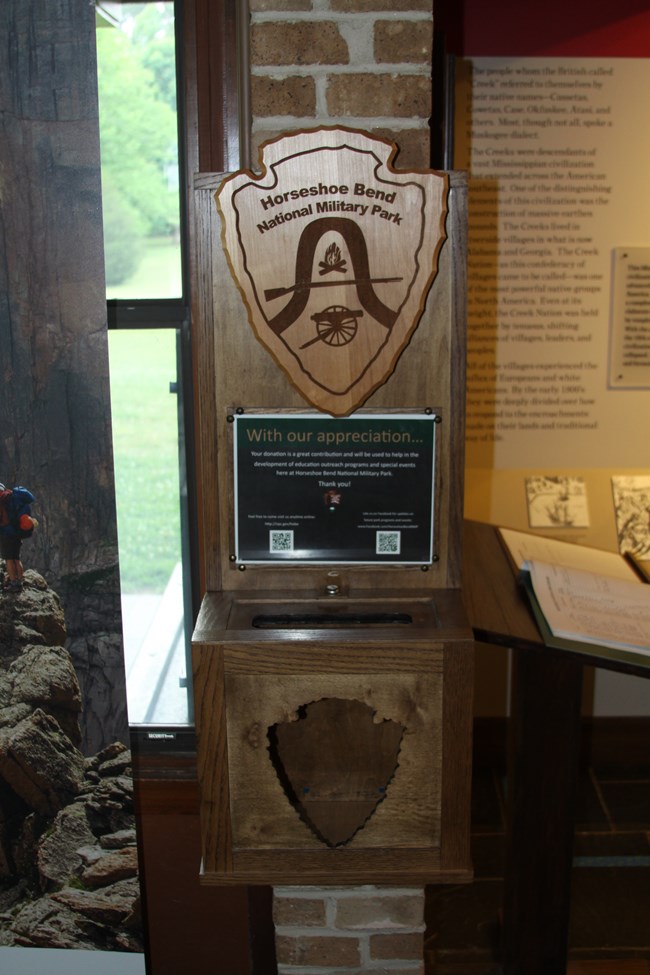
{"x": 334, "y": 252}
{"x": 336, "y": 763}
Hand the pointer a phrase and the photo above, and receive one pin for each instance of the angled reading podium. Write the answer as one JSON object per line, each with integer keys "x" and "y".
{"x": 543, "y": 756}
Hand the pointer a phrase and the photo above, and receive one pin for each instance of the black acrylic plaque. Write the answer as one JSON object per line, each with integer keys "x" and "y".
{"x": 310, "y": 488}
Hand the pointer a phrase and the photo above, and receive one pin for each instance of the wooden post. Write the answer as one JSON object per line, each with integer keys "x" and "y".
{"x": 333, "y": 685}
{"x": 542, "y": 782}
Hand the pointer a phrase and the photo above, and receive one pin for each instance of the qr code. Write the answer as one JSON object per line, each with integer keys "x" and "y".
{"x": 388, "y": 543}
{"x": 281, "y": 541}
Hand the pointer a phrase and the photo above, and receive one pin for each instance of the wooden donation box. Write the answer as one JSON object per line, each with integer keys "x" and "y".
{"x": 332, "y": 659}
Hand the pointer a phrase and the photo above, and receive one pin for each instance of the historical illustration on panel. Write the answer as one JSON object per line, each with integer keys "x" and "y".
{"x": 557, "y": 502}
{"x": 632, "y": 509}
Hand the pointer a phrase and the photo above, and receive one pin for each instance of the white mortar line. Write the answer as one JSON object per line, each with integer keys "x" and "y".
{"x": 282, "y": 71}
{"x": 312, "y": 16}
{"x": 286, "y": 122}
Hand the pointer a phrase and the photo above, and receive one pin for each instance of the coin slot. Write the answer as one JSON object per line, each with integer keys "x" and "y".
{"x": 315, "y": 620}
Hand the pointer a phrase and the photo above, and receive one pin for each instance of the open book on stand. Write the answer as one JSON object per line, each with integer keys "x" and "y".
{"x": 581, "y": 595}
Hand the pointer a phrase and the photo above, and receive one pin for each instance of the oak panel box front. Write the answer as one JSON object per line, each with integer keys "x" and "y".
{"x": 335, "y": 742}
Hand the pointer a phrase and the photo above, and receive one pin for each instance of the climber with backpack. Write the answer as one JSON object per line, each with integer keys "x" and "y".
{"x": 16, "y": 523}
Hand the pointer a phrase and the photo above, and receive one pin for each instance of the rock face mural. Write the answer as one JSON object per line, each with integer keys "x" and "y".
{"x": 68, "y": 861}
{"x": 68, "y": 854}
{"x": 55, "y": 432}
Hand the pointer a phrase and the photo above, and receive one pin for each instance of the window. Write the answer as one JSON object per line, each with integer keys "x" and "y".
{"x": 139, "y": 147}
{"x": 148, "y": 349}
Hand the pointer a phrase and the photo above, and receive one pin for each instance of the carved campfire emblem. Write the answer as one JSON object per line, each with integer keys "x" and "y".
{"x": 334, "y": 252}
{"x": 335, "y": 762}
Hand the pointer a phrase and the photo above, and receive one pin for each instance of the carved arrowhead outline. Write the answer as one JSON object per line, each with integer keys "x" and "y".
{"x": 335, "y": 762}
{"x": 335, "y": 326}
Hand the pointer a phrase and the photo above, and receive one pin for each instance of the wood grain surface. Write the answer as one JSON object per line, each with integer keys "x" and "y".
{"x": 252, "y": 681}
{"x": 236, "y": 371}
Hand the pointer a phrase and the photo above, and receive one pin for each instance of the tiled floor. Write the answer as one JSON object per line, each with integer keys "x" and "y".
{"x": 610, "y": 918}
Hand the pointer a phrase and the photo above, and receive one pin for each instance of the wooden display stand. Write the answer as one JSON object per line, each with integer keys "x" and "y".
{"x": 332, "y": 690}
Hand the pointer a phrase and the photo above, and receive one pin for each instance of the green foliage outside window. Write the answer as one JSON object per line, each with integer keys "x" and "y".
{"x": 145, "y": 441}
{"x": 139, "y": 138}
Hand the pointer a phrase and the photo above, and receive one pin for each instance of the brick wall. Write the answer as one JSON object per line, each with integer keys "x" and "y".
{"x": 362, "y": 63}
{"x": 349, "y": 930}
